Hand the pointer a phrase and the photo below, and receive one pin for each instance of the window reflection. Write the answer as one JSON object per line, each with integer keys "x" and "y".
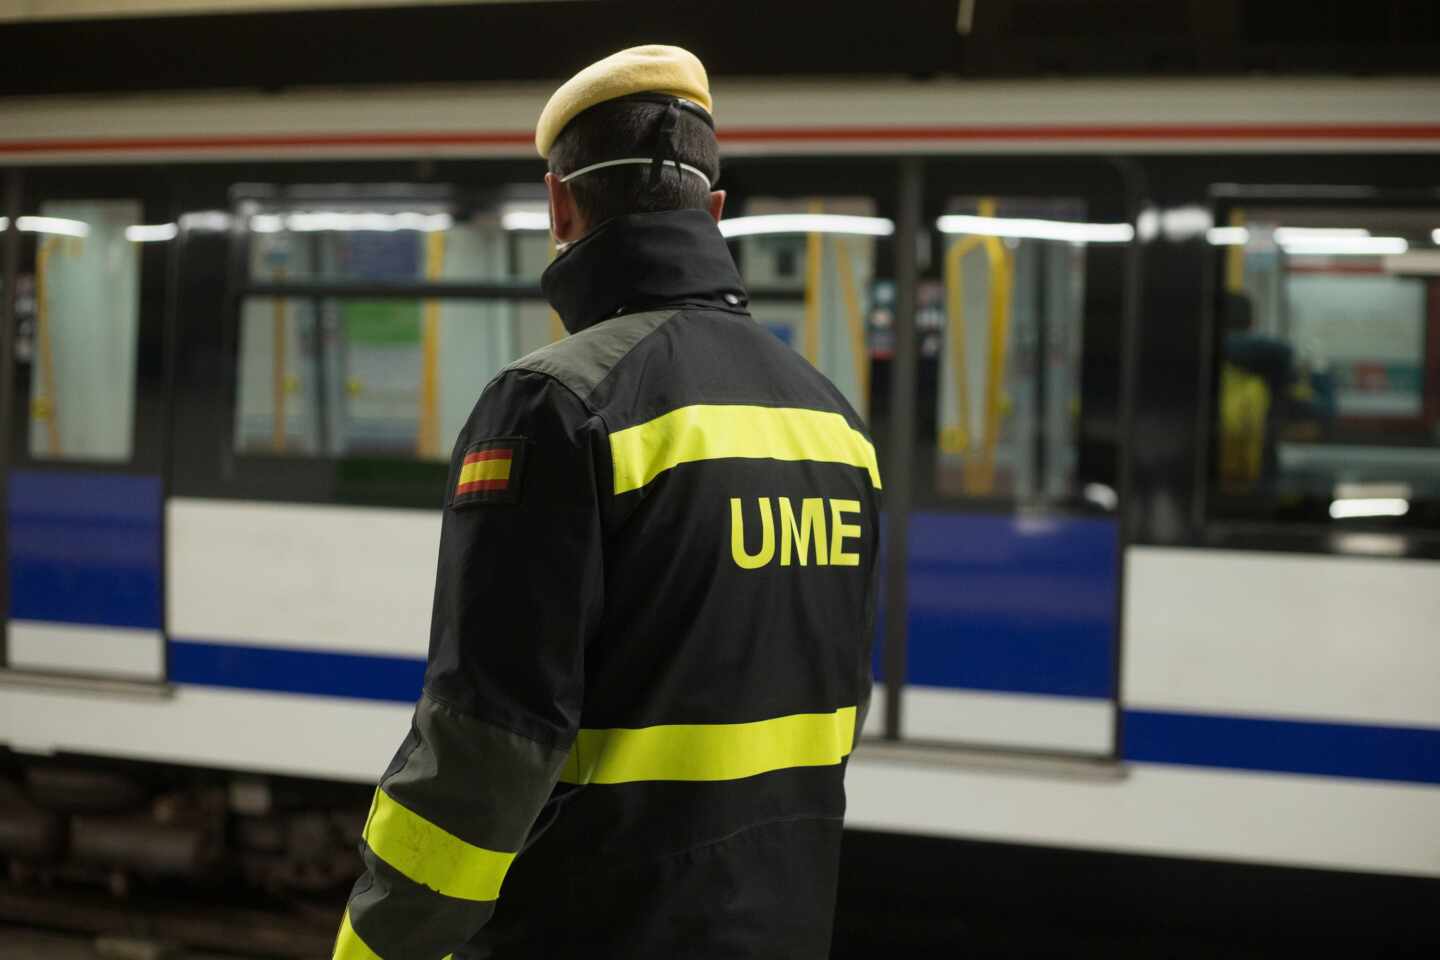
{"x": 1329, "y": 381}
{"x": 396, "y": 240}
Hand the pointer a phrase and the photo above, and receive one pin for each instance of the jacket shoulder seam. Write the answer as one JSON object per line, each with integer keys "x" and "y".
{"x": 584, "y": 404}
{"x": 674, "y": 314}
{"x": 580, "y": 385}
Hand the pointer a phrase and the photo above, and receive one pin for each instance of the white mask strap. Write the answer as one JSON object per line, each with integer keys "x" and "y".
{"x": 627, "y": 161}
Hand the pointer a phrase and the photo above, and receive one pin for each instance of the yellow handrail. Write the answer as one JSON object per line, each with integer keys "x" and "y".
{"x": 277, "y": 370}
{"x": 1002, "y": 268}
{"x": 856, "y": 320}
{"x": 427, "y": 443}
{"x": 814, "y": 257}
{"x": 44, "y": 407}
{"x": 1235, "y": 257}
{"x": 979, "y": 474}
{"x": 959, "y": 440}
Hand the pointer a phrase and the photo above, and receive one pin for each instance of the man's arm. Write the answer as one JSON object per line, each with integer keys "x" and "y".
{"x": 518, "y": 595}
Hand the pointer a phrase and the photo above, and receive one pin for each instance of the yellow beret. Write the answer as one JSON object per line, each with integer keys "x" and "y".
{"x": 654, "y": 68}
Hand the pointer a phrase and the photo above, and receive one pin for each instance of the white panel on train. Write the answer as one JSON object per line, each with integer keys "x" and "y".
{"x": 1174, "y": 811}
{"x": 1020, "y": 721}
{"x": 342, "y": 739}
{"x": 82, "y": 648}
{"x": 301, "y": 576}
{"x": 1279, "y": 634}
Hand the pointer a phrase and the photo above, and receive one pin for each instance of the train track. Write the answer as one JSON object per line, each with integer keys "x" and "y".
{"x": 297, "y": 934}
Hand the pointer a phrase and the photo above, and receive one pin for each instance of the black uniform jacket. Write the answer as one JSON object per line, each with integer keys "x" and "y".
{"x": 649, "y": 657}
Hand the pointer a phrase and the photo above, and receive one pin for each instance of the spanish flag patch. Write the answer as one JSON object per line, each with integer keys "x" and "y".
{"x": 490, "y": 472}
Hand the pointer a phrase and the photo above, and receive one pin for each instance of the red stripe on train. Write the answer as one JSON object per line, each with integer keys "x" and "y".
{"x": 1170, "y": 132}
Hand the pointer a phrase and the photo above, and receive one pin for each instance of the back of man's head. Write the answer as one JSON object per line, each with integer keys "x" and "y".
{"x": 630, "y": 128}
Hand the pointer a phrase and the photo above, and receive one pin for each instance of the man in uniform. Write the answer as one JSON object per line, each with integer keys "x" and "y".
{"x": 649, "y": 656}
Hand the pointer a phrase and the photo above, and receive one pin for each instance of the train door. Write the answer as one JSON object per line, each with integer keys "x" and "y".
{"x": 86, "y": 272}
{"x": 337, "y": 322}
{"x": 814, "y": 241}
{"x": 1000, "y": 442}
{"x": 1013, "y": 542}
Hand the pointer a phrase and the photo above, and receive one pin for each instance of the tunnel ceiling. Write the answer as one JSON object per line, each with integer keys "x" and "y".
{"x": 917, "y": 38}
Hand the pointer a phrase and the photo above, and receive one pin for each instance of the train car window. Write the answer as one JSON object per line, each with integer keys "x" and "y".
{"x": 1327, "y": 401}
{"x": 84, "y": 330}
{"x": 810, "y": 265}
{"x": 389, "y": 373}
{"x": 339, "y": 377}
{"x": 387, "y": 239}
{"x": 1004, "y": 327}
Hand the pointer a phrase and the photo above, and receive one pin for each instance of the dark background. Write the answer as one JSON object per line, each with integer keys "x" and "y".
{"x": 917, "y": 38}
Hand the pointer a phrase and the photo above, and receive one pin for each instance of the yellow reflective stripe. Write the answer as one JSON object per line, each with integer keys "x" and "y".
{"x": 710, "y": 751}
{"x": 711, "y": 432}
{"x": 498, "y": 469}
{"x": 349, "y": 946}
{"x": 430, "y": 855}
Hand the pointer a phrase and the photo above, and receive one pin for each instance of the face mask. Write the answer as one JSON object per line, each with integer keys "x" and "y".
{"x": 626, "y": 161}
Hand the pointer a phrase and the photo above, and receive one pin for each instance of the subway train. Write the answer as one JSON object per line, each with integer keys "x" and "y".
{"x": 1153, "y": 369}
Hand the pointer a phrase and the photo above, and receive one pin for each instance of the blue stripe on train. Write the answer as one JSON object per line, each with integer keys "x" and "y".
{"x": 997, "y": 602}
{"x": 1365, "y": 751}
{"x": 321, "y": 673}
{"x": 1013, "y": 603}
{"x": 1362, "y": 751}
{"x": 85, "y": 548}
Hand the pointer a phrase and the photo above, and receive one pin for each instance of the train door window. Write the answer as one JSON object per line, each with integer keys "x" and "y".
{"x": 1007, "y": 343}
{"x": 1014, "y": 544}
{"x": 809, "y": 264}
{"x": 1327, "y": 400}
{"x": 392, "y": 373}
{"x": 334, "y": 377}
{"x": 83, "y": 328}
{"x": 83, "y": 507}
{"x": 397, "y": 235}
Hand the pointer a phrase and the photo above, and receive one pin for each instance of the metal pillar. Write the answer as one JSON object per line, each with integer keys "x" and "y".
{"x": 898, "y": 479}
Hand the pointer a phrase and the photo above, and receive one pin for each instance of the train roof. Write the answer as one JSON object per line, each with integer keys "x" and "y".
{"x": 755, "y": 116}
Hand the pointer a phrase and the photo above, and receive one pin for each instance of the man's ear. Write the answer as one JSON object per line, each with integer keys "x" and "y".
{"x": 717, "y": 204}
{"x": 566, "y": 224}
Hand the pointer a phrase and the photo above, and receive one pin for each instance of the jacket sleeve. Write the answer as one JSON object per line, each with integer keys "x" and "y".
{"x": 518, "y": 594}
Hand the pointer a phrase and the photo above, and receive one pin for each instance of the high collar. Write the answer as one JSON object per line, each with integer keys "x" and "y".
{"x": 641, "y": 261}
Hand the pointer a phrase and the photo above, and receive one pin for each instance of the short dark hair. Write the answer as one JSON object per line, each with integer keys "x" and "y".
{"x": 627, "y": 128}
